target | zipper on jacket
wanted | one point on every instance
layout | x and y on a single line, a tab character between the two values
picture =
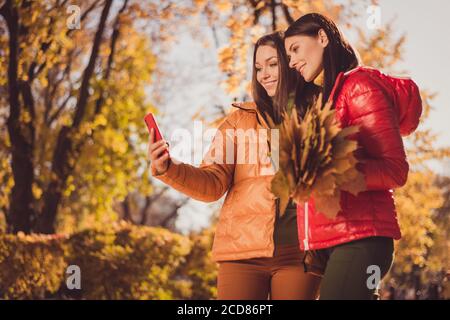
305	240
277	209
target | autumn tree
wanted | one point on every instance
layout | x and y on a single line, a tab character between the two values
73	103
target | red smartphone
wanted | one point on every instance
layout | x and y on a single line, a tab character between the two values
150	120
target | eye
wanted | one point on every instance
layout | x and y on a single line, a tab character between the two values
258	69
273	64
295	49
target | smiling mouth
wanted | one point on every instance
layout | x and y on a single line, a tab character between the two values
270	82
300	70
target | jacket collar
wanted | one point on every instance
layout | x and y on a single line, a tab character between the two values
248	105
251	107
340	80
337	86
319	80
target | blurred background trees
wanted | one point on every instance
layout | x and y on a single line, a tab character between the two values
73	143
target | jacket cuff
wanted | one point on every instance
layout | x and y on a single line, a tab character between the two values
171	173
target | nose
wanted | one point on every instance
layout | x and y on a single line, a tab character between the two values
292	63
265	73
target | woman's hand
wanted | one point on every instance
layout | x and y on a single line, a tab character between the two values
159	160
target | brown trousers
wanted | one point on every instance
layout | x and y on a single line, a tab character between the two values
281	277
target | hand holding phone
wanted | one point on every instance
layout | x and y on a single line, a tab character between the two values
158	152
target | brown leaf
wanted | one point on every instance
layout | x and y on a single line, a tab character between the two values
325	186
328	205
356	185
280	188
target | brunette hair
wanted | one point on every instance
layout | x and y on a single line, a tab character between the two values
338	55
287	79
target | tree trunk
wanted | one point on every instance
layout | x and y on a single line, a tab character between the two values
63	158
273	8
21	212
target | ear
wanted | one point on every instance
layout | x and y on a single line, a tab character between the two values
323	38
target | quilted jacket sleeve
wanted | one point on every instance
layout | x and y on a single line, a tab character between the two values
367	104
213	178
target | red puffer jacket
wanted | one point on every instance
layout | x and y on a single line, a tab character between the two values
385	108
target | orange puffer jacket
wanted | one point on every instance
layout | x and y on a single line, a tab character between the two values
246	221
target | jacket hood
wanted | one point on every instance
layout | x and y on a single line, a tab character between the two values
405	94
408	103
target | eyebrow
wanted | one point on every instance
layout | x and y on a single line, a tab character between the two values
290	47
267	59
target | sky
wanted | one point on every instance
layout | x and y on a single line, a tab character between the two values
426	59
427	52
426	56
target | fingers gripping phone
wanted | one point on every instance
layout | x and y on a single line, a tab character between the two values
151	123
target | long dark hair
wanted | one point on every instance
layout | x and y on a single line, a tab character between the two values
338	55
287	80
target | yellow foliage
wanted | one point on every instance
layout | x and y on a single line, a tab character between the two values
117	262
416	203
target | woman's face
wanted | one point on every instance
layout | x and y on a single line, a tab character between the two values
305	54
266	67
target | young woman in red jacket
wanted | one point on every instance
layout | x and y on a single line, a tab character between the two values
359	241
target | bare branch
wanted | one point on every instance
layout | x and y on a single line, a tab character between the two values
165	222
149	200
274	15
287	14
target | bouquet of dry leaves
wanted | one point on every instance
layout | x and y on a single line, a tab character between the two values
316	158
